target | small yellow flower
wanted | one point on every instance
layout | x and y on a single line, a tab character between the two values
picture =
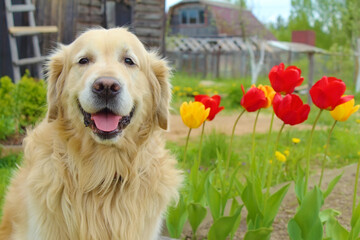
176	89
358	120
286	152
188	89
195	93
280	157
270	161
343	111
193	114
359	153
296	140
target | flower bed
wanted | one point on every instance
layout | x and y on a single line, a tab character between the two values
213	188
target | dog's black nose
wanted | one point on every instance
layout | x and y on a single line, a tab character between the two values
106	87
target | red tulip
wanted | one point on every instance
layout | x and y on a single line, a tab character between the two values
254	99
285	80
327	93
290	109
210	102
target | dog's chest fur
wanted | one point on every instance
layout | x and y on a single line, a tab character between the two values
91	207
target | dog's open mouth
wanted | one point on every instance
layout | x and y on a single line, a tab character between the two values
105	123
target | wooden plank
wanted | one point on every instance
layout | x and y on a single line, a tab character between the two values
26	61
91	3
141	7
148	24
26	31
151	16
21	8
91	19
150	2
148	32
90	10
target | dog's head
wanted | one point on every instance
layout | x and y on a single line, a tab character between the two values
105	81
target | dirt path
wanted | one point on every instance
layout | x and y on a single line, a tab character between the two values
340	199
224	124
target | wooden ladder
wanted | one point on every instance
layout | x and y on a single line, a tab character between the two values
18	31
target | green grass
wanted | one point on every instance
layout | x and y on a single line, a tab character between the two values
185	87
7	166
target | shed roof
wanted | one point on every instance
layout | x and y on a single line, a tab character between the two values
296	47
231	20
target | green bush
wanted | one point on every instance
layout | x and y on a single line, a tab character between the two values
30	100
7	104
21	104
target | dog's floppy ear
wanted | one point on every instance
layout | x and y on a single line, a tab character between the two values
161	89
55	68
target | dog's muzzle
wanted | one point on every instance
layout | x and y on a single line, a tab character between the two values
106	123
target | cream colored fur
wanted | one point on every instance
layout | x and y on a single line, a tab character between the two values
69	185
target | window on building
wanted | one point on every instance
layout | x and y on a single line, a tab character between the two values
192	16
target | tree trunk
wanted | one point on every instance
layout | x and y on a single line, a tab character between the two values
256	66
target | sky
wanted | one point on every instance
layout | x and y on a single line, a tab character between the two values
265	10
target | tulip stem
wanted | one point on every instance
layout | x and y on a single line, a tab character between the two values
308	151
266	161
325	153
186	146
269	180
355	186
200	145
253	162
231	140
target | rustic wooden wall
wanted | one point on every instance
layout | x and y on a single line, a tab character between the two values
70	16
148	22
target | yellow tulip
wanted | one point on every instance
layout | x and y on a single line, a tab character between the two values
269	93
279	156
296	140
343	111
193	114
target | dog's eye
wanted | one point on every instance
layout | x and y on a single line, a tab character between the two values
83	61
129	61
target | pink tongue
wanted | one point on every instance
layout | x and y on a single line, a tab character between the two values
106	121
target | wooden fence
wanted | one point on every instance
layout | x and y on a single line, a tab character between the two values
215	57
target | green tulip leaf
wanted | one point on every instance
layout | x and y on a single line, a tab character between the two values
213	197
234	207
306	223
223	226
326	214
197	213
176	218
273	204
334	230
299	184
251	200
331	186
258	234
355	223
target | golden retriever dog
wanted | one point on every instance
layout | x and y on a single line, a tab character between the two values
96	166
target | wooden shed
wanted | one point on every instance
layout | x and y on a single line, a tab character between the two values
145	18
204	18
